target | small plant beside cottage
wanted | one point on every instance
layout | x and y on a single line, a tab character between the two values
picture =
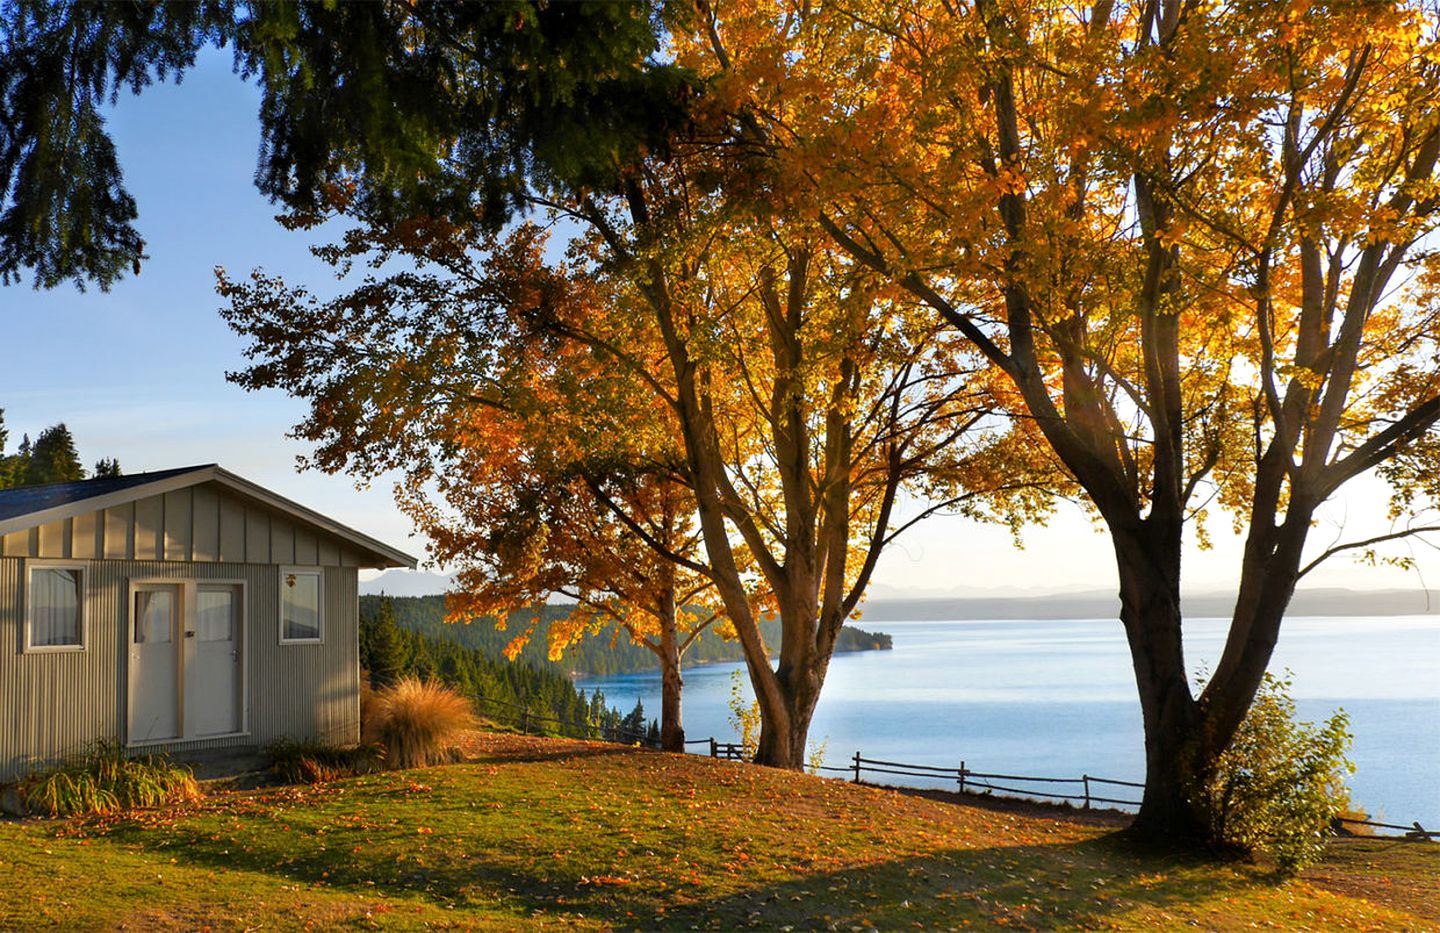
416	722
104	780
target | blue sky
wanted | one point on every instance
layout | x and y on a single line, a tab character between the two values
139	373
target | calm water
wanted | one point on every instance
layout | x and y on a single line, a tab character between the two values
1057	698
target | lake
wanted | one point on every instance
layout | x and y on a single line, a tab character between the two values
1057	698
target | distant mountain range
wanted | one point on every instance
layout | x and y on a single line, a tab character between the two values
891	604
1098	604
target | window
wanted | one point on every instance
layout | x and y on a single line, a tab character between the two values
215	613
55	618
300	616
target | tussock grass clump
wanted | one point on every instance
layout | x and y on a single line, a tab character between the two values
416	722
103	780
317	763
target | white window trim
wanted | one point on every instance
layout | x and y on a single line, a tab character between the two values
318	572
83	569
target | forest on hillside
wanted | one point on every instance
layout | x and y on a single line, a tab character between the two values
599	656
510	692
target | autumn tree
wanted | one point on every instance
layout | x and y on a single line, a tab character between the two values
1193	237
808	396
790	399
534	468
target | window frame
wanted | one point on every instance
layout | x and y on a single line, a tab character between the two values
82	572
301	570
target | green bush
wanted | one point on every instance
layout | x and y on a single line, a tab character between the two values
315	763
1281	783
104	780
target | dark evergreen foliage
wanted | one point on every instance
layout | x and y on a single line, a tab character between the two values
505	688
64	210
107	468
380	652
394	110
53	459
599	656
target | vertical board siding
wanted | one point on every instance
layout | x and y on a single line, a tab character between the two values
149	533
282	541
178	531
306	552
120	532
205	525
15	544
202	524
232	530
88	536
54	704
52	539
257	537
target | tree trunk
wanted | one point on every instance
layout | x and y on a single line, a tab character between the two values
672	733
785	727
1150	612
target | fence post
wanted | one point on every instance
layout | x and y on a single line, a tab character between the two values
525	721
714	750
857	767
962	777
1086	779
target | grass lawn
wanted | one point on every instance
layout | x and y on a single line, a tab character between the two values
548	833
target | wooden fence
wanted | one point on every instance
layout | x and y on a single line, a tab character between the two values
1081	790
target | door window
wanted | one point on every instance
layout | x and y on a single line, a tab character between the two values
154	617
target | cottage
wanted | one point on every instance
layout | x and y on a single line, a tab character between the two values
187	609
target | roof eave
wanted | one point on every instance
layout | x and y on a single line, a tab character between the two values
381	555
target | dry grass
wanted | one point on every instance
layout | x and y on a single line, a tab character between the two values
417	722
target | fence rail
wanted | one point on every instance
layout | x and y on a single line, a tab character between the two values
971	781
966	781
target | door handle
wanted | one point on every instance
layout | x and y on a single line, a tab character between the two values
189	634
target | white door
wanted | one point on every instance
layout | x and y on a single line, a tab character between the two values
156	652
213	671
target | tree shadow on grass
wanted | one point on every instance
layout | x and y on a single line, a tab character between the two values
1080	884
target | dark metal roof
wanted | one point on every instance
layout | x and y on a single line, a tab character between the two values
27	499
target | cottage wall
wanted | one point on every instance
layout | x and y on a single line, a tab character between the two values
54	703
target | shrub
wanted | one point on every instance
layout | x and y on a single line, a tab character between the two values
316	763
1280	785
103	780
416	722
744	719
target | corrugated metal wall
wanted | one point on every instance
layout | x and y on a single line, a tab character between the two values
53	703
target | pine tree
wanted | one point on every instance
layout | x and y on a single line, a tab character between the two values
6	470
107	468
380	649
54	458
